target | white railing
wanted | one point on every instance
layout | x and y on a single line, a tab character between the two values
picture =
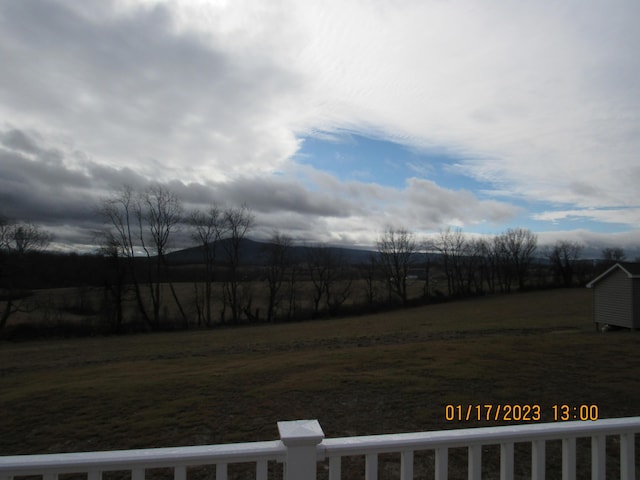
93	464
302	445
506	436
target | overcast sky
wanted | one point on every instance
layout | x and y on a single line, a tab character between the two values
331	120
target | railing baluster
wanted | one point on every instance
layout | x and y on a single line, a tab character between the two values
538	459
506	461
598	457
261	470
137	474
569	458
475	462
335	468
442	463
371	466
221	471
406	465
179	473
627	456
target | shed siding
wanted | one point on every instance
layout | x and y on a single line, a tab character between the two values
636	302
614	300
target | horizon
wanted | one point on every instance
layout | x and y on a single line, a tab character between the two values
331	122
593	253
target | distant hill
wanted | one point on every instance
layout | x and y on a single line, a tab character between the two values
253	252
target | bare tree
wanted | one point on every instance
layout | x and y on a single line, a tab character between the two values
427	285
451	245
116	287
338	288
611	255
329	278
319	263
397	249
502	271
26	237
118	211
237	221
519	245
17	241
370	273
292	288
472	266
144	223
563	257
159	213
486	268
4	233
206	229
278	258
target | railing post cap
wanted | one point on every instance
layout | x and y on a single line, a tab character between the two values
300	432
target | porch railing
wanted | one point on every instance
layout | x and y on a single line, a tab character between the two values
302	445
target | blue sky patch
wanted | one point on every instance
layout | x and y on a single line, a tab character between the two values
352	157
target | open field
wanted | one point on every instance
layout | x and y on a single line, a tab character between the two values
384	373
50	310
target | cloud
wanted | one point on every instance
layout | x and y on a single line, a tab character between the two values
309	203
539	102
622	216
46	183
537	95
129	89
593	242
433	206
360	211
19	141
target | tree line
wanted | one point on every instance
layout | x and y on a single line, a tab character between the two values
470	265
141	228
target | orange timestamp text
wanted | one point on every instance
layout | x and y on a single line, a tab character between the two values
518	412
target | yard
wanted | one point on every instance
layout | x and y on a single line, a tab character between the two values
385	373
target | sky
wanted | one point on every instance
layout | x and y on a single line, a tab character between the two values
332	121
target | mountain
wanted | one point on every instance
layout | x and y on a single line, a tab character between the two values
253	252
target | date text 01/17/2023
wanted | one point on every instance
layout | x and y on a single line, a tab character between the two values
518	412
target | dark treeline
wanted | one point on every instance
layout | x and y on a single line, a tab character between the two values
138	280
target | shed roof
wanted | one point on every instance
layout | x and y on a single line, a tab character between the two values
631	269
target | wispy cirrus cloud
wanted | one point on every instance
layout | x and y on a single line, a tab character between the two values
623	216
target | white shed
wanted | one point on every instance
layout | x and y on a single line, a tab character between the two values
616	296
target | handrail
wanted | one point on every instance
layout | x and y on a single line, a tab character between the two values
389	443
143	458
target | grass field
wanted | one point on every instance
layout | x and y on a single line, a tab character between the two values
386	373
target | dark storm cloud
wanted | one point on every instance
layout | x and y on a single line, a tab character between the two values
274	194
36	184
36	191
